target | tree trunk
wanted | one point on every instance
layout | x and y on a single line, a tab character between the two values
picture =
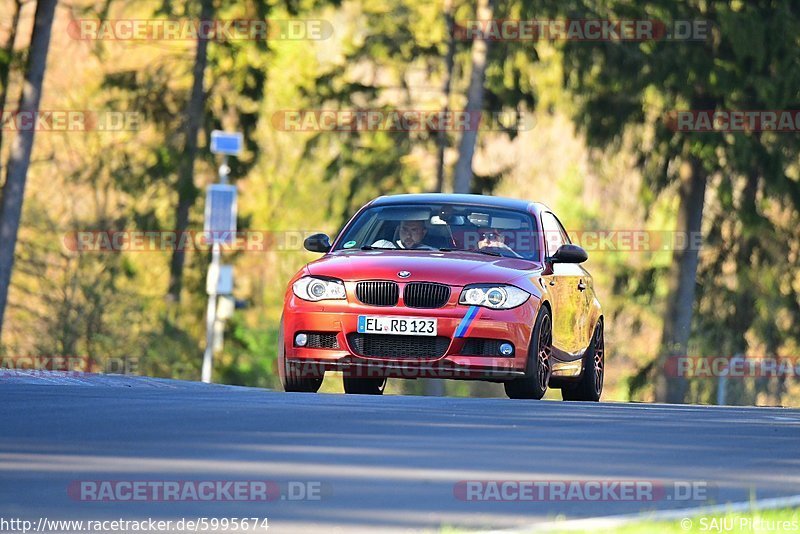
20	156
8	53
441	135
187	191
5	64
466	150
745	299
682	281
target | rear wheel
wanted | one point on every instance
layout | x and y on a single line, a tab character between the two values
296	377
537	372
364	386
590	385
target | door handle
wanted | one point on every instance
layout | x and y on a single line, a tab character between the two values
581	286
552	282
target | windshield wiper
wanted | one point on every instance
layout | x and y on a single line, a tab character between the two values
487	252
477	251
370	247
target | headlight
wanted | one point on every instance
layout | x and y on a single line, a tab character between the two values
497	297
314	289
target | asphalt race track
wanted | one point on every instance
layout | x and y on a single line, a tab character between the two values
390	462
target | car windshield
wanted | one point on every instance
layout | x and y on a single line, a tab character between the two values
448	227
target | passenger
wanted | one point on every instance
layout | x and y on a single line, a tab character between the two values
494	238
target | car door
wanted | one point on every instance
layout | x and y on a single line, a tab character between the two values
582	289
567	298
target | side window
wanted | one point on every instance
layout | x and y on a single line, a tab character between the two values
554	235
564	234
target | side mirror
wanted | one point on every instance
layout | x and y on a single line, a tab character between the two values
569	254
317	243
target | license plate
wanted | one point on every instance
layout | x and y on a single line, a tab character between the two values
407	326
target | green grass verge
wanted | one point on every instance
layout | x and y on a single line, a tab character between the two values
763	521
782	520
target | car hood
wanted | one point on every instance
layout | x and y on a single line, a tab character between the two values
452	268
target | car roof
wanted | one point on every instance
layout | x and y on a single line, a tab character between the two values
452	198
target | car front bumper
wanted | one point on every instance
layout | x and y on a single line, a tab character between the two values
457	330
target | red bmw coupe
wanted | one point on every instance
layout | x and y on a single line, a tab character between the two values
445	286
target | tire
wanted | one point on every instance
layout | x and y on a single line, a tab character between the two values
363	386
590	386
295	382
294	379
537	371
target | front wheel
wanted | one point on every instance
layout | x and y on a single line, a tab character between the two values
537	371
294	378
363	386
590	386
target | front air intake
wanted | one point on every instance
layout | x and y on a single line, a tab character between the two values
398	347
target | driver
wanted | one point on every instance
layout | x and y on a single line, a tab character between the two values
410	233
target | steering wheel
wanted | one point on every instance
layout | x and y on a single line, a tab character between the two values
506	252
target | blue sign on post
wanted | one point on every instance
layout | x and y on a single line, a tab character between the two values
228	143
220	228
220	215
